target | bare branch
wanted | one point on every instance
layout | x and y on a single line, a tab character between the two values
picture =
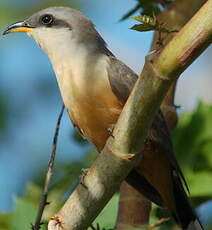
176	16
44	196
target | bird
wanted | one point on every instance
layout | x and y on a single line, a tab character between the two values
94	86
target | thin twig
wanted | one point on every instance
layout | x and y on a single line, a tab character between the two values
44	196
158	223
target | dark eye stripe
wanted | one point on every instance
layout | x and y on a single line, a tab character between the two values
48	20
61	23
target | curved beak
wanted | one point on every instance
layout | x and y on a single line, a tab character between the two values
18	27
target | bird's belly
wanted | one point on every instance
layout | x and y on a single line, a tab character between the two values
88	96
94	116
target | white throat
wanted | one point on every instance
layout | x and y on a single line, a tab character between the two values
78	66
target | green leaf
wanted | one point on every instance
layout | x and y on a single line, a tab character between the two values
142	27
200	184
145	19
107	217
23	215
150	23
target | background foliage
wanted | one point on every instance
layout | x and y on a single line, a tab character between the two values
193	144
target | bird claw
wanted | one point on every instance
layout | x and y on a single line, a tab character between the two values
110	129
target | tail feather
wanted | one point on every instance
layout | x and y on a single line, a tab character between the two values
185	215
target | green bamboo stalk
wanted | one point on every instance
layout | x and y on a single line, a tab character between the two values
136	211
157	76
187	44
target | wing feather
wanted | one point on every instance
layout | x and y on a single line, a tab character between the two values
122	80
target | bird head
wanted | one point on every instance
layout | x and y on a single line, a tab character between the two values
58	28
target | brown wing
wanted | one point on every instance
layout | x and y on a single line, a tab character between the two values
122	80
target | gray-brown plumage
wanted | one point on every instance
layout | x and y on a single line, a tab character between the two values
95	86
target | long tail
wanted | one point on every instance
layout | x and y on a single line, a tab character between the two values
185	216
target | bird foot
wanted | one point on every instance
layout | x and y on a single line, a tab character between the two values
110	129
82	177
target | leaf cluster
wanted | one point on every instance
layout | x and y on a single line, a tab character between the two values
147	7
148	23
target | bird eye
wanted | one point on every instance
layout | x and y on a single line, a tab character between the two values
47	19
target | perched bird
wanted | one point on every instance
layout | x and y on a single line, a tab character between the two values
94	86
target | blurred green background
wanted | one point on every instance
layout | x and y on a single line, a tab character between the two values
30	102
